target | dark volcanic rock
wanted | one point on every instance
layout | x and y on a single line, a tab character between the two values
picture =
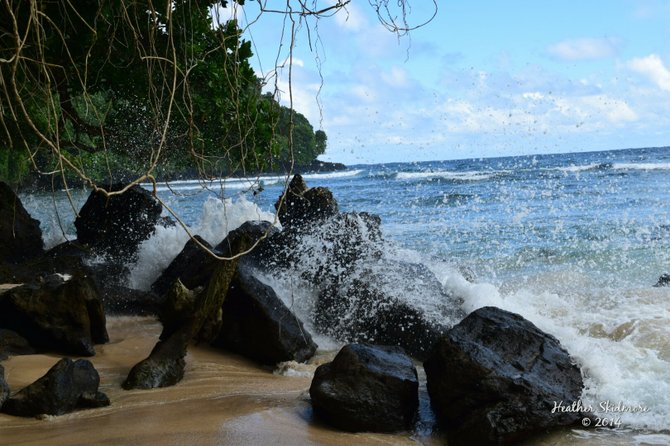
367	388
11	343
495	377
66	258
194	266
364	294
67	386
178	309
373	305
120	300
664	280
4	388
20	234
64	316
368	315
165	365
302	205
258	325
115	226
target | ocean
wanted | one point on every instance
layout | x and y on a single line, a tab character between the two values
572	242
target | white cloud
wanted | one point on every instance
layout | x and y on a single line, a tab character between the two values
584	49
397	77
535	112
653	68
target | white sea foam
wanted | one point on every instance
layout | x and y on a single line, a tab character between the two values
249	183
641	166
218	218
448	175
577	169
330	175
619	338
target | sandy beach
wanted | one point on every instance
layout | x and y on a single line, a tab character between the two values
223	400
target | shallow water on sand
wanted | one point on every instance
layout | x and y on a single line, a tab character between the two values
223	400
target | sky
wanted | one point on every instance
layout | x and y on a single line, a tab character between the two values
481	79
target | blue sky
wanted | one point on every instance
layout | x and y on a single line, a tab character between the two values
483	78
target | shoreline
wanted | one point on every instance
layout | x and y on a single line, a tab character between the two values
223	399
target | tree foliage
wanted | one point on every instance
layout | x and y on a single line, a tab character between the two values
97	89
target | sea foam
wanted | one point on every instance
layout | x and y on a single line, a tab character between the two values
218	218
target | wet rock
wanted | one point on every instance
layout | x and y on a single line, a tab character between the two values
20	234
4	388
120	300
364	295
11	344
258	325
165	365
178	309
302	205
664	280
325	251
67	386
193	266
373	305
495	378
57	315
367	388
115	226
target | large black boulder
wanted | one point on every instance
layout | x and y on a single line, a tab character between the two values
194	266
375	305
12	343
114	226
20	234
367	388
67	386
258	325
364	293
165	364
301	205
495	378
56	314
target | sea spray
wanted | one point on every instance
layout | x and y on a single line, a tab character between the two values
572	242
628	367
218	218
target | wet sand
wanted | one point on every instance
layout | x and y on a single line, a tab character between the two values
224	399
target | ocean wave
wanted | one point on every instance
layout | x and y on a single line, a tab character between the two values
641	166
242	183
584	168
340	174
228	183
449	175
612	166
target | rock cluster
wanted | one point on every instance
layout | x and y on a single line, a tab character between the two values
67	386
59	315
493	377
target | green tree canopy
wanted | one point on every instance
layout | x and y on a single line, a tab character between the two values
97	87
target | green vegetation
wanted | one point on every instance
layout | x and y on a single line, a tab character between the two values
100	89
